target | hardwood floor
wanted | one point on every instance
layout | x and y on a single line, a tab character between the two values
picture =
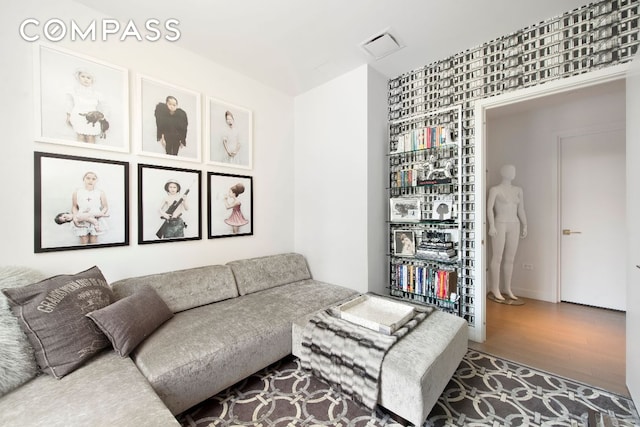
579	342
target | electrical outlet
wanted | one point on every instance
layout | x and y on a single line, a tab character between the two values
527	266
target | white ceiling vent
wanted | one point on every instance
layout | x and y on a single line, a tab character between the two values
381	45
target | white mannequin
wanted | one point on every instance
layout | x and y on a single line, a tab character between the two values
505	227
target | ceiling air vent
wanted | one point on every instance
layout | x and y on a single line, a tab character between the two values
381	45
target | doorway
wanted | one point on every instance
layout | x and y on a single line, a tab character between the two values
542	179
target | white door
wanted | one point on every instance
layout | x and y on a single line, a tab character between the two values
633	228
592	203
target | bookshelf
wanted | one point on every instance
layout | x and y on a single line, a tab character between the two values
425	221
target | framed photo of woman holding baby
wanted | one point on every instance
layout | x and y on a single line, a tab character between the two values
80	101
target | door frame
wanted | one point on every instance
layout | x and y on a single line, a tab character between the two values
478	332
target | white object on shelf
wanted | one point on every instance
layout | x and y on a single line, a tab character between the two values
378	314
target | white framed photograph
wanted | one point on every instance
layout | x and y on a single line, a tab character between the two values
404	243
229	135
169	120
405	209
442	209
80	101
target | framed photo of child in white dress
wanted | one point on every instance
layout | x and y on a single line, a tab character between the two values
169	204
404	243
169	120
80	101
230	205
80	202
229	135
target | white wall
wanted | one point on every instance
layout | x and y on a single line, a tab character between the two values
334	177
633	238
273	171
526	136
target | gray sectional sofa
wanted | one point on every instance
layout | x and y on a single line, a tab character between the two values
229	321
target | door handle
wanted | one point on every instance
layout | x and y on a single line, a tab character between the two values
567	232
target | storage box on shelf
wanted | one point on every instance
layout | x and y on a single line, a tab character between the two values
425	224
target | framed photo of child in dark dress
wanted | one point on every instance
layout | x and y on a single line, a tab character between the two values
80	101
230	205
169	120
169	204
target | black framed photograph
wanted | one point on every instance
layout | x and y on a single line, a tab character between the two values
169	204
405	209
404	243
229	135
80	202
80	101
169	120
230	205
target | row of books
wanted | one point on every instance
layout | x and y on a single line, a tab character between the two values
414	177
426	281
423	138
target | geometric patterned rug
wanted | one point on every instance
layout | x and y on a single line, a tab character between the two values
484	391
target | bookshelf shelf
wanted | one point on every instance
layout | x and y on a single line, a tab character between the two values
425	218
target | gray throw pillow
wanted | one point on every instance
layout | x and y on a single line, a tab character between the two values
17	361
129	321
52	313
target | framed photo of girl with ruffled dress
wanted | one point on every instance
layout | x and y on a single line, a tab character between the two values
230	205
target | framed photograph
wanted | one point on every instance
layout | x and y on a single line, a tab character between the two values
80	101
169	204
80	202
230	205
404	243
229	135
169	120
405	209
442	209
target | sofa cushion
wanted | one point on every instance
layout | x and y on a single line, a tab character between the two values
257	274
17	361
202	351
184	289
52	313
108	391
127	322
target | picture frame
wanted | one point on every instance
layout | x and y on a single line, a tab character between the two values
171	134
404	243
80	101
442	209
169	204
226	146
230	205
93	195
405	209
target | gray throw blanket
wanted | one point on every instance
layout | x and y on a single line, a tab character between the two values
348	356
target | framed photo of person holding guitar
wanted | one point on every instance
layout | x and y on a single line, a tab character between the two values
169	204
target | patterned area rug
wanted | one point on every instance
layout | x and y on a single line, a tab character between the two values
484	391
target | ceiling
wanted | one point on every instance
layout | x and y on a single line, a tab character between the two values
295	45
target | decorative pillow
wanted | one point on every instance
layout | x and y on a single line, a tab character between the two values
127	322
17	362
52	313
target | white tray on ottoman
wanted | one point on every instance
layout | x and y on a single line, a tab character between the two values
379	314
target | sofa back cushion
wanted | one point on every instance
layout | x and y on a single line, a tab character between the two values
256	274
184	289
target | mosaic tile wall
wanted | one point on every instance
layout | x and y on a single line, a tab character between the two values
597	35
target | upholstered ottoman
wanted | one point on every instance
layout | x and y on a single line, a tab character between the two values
418	367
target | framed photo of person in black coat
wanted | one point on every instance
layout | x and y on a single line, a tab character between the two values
169	120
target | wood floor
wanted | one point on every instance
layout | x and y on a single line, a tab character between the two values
579	342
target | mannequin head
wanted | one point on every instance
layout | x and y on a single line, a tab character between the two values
508	172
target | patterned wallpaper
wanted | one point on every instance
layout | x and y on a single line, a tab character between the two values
597	35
